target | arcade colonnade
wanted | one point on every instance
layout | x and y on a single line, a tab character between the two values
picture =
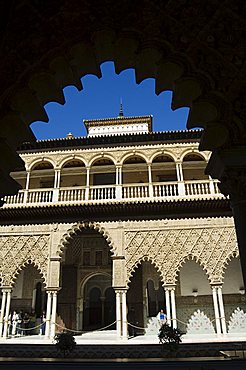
167	244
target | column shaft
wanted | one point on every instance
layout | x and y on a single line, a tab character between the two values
53	314
124	315
6	315
3	304
168	307
173	305
48	312
222	311
151	192
87	183
118	314
216	310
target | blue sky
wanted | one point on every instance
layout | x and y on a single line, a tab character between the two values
100	98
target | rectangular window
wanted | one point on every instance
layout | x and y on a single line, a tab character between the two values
86	258
98	258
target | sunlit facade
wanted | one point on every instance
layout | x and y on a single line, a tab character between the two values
121	220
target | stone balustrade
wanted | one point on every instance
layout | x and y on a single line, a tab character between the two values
196	189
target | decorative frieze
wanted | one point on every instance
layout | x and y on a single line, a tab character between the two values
168	248
16	251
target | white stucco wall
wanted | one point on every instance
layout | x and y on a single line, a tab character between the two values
118	129
192	277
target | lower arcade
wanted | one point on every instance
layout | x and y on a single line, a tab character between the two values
115	277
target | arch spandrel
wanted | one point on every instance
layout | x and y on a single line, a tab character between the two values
18	251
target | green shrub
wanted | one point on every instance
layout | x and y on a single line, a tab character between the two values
65	342
170	337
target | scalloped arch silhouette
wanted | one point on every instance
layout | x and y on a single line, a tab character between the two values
85	225
138	263
229	257
25	265
187	258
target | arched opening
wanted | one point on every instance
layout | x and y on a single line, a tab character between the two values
42	176
193	292
163	169
99	302
102	179
73	174
135	177
29	296
72	181
233	288
193	167
164	176
145	296
102	172
86	273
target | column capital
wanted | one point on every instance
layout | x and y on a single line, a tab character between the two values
52	289
216	285
169	287
7	289
121	290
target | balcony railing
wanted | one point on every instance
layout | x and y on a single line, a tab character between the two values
166	190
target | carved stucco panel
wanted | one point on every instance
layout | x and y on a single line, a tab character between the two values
169	249
16	251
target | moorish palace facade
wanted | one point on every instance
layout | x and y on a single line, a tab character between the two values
122	219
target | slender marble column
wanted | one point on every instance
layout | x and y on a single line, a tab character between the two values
180	178
27	186
124	314
168	307
177	171
53	314
222	310
118	314
173	305
6	315
3	304
87	183
151	192
56	185
118	194
48	312
216	310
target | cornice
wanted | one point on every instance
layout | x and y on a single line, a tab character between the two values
116	211
112	141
